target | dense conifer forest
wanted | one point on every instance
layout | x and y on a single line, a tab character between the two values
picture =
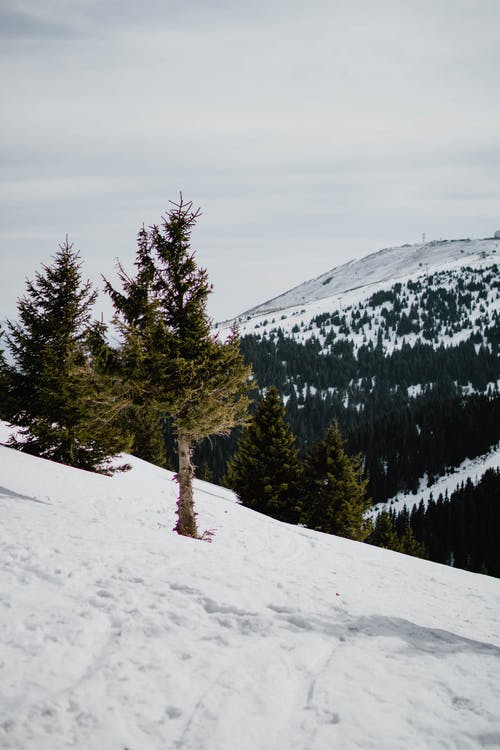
461	530
402	434
411	375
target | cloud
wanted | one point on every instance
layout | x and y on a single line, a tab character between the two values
308	134
21	23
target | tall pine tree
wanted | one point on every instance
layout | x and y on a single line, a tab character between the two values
336	500
265	471
56	396
176	368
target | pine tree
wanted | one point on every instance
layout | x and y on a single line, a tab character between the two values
410	545
336	500
138	419
265	472
57	398
383	534
394	531
175	367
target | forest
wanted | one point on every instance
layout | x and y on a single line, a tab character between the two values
417	409
461	529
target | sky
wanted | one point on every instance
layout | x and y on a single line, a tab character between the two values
309	134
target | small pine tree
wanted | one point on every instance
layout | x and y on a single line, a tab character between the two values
56	396
411	546
265	472
336	500
173	364
383	534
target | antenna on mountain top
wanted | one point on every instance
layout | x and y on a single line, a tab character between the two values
423	238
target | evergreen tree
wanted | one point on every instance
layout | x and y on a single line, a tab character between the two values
410	545
383	534
265	471
393	531
137	417
336	500
146	426
175	367
57	397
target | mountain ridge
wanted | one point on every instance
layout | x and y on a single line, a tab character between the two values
404	354
377	268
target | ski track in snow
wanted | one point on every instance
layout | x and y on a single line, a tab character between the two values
117	633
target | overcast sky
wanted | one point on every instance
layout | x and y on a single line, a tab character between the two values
309	133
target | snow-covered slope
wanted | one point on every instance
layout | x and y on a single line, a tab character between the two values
389	264
117	633
471	468
442	292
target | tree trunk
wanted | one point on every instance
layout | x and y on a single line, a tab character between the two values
186	517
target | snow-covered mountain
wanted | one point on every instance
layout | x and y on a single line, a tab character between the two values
384	320
329	306
117	633
375	270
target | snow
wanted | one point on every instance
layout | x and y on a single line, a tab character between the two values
388	265
117	633
470	468
344	288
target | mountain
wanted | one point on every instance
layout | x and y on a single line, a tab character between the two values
402	348
117	633
441	292
374	271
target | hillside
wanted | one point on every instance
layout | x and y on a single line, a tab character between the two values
442	293
117	633
402	348
387	265
469	469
